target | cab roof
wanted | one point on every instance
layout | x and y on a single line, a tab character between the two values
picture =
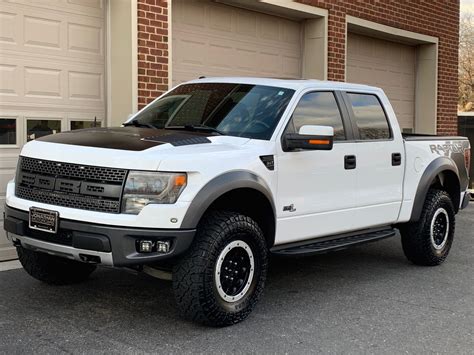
295	84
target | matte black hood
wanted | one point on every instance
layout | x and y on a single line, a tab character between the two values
126	138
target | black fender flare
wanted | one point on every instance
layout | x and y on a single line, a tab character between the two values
218	186
433	169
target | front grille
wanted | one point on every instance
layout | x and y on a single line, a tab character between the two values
82	172
84	187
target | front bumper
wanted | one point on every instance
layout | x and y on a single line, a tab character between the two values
97	243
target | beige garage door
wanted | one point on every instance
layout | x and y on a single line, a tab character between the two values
52	68
219	40
388	65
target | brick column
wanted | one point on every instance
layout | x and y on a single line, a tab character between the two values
152	50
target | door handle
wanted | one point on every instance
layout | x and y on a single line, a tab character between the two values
350	162
396	159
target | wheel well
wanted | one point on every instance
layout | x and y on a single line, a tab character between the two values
252	203
448	181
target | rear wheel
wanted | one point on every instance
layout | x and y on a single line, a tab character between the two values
221	278
428	241
52	269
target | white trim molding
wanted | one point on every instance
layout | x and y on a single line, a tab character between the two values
122	60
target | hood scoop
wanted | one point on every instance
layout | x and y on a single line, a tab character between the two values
178	139
126	138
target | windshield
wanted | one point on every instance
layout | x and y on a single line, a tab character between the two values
242	110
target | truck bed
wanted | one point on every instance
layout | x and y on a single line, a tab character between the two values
429	137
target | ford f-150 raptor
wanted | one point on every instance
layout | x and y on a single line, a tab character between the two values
213	177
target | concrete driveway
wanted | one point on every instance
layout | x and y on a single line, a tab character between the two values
364	300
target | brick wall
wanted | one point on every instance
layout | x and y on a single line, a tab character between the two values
152	49
438	18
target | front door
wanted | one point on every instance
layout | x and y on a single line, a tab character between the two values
316	193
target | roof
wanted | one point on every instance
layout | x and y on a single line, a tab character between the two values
295	84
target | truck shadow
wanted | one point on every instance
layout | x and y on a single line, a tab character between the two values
123	296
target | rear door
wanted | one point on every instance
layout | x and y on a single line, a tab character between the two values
379	161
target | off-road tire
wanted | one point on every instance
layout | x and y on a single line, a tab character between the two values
52	269
417	241
195	282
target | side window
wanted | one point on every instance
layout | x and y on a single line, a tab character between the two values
369	116
318	108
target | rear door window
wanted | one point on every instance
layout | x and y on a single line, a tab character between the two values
369	116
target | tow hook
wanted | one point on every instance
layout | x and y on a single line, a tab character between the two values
16	242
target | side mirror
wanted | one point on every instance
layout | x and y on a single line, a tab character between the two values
309	137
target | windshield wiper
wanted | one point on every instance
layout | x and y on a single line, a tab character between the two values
135	123
190	127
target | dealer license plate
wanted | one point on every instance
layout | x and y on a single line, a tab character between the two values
44	220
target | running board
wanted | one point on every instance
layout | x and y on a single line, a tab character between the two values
323	245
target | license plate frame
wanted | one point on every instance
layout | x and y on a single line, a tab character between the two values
43	220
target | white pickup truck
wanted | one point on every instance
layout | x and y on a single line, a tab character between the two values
216	175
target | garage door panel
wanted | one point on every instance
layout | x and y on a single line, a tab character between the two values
90	8
42	32
9	79
8	31
291	66
30	30
52	70
220	55
246	23
229	41
85	39
388	65
219	19
55	82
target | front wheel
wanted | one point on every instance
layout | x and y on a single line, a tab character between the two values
428	241
53	269
221	278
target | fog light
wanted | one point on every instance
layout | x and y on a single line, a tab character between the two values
162	247
145	246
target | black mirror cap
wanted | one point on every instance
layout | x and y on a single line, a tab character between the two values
294	141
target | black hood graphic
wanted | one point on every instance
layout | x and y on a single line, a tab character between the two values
126	138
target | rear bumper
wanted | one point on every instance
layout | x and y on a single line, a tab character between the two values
88	242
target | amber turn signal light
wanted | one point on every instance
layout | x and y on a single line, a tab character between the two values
318	141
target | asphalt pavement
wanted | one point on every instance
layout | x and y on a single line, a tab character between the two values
368	299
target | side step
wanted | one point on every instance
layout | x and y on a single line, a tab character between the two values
323	245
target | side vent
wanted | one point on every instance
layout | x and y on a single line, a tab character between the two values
268	161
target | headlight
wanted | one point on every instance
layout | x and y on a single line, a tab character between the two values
145	187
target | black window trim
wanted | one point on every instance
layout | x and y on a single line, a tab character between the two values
355	128
346	122
18	142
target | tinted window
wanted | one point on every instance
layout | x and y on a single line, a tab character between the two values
369	116
318	108
40	128
7	131
242	110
